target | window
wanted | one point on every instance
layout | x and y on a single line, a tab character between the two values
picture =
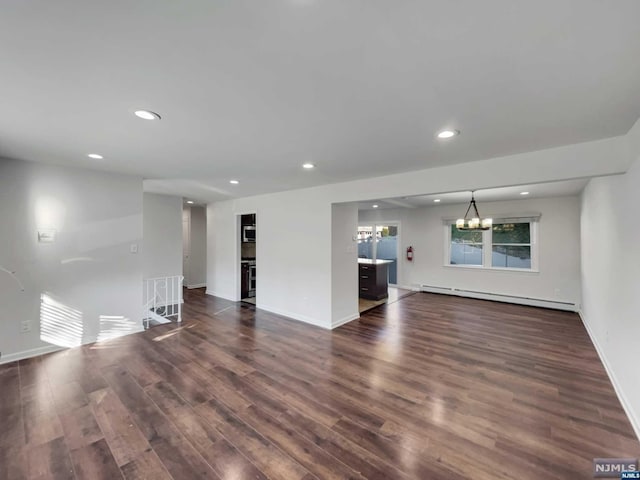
509	244
465	247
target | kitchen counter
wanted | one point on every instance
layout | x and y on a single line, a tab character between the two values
369	261
373	281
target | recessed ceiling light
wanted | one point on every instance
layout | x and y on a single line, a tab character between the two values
95	156
448	133
524	193
437	200
374	206
234	182
190	202
147	115
308	165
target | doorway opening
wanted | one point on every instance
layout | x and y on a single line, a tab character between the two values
380	242
194	246
248	264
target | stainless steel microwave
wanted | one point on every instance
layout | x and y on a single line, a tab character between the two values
249	233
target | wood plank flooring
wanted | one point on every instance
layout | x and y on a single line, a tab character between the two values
395	294
429	387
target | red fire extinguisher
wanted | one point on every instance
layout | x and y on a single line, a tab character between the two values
410	253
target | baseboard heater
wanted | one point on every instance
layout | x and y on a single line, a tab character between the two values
498	297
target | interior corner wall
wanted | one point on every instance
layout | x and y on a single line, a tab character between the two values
162	235
344	259
222	251
611	280
197	275
293	253
558	278
84	286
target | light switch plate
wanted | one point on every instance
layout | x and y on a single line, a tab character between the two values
134	248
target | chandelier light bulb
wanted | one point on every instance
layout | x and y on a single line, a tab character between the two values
476	222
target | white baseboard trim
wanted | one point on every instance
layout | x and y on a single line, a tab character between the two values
532	302
34	352
220	295
196	285
277	311
294	316
347	319
413	288
626	405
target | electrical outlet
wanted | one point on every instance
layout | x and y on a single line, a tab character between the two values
25	326
133	248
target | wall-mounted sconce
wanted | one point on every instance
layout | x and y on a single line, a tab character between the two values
47	235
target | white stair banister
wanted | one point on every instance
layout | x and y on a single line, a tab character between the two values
162	300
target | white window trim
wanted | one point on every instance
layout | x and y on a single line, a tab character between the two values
487	250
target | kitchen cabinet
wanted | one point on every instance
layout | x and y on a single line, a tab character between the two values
247	278
373	278
244	280
248	219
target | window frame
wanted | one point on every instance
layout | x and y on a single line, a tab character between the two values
482	244
487	248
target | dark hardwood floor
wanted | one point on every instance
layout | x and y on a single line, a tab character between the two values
429	387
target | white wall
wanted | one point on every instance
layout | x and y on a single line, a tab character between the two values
295	276
293	253
92	283
222	251
196	276
602	157
558	278
611	279
162	234
186	242
344	264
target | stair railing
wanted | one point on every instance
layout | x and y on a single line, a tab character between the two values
162	299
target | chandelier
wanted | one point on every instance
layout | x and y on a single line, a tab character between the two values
473	222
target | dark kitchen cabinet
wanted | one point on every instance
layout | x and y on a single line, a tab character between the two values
245	280
373	281
248	219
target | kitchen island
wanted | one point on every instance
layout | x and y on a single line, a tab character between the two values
373	278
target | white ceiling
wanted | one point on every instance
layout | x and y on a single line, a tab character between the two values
541	190
252	89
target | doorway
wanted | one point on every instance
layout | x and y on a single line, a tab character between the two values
194	246
381	242
248	264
